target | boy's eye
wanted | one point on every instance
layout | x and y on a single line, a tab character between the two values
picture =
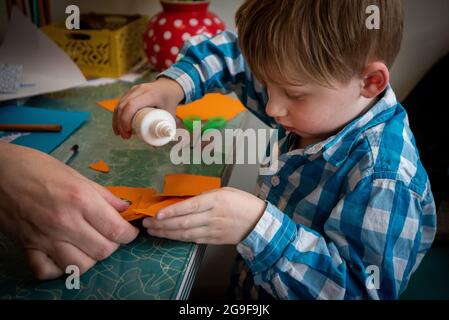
295	96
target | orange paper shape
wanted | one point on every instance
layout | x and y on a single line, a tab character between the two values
132	216
153	209
211	105
177	185
109	104
137	197
100	166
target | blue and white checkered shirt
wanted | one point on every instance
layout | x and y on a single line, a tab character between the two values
350	217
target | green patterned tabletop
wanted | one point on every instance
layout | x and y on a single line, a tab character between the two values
147	268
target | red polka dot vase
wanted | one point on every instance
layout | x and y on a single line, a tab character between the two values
179	21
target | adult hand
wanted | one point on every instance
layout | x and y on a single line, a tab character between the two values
58	216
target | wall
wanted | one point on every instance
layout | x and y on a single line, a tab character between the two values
225	8
426	40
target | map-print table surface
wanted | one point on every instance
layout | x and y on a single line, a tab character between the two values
147	268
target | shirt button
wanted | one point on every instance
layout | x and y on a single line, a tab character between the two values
275	181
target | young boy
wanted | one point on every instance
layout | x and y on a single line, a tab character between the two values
349	214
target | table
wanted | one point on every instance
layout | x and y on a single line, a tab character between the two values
147	268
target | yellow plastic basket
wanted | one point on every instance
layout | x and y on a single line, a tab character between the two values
105	52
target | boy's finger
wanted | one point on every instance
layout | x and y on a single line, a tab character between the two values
179	223
134	92
114	121
201	203
126	115
190	235
131	94
130	106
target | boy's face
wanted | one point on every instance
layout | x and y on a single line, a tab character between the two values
315	112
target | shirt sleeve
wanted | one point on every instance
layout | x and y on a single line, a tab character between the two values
207	65
371	243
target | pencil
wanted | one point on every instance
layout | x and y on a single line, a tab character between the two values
31	127
73	151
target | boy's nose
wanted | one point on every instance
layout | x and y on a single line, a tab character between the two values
275	109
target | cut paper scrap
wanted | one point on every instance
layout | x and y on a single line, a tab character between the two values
100	166
212	105
153	209
109	104
177	185
136	197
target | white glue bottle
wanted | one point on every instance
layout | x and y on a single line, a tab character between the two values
154	126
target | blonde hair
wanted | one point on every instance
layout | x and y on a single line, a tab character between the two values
287	41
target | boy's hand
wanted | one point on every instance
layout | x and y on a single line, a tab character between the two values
163	93
222	216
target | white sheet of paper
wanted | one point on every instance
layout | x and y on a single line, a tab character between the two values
137	72
45	65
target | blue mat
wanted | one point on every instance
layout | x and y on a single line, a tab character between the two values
43	141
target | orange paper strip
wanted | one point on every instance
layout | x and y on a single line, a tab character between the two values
176	185
152	210
212	105
138	198
132	216
109	104
100	166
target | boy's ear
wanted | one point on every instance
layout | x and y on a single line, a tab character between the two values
375	77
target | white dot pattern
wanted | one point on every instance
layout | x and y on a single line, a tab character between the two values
167	35
177	23
163	38
193	22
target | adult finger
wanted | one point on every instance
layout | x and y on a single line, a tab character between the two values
103	218
42	265
65	254
92	242
117	203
